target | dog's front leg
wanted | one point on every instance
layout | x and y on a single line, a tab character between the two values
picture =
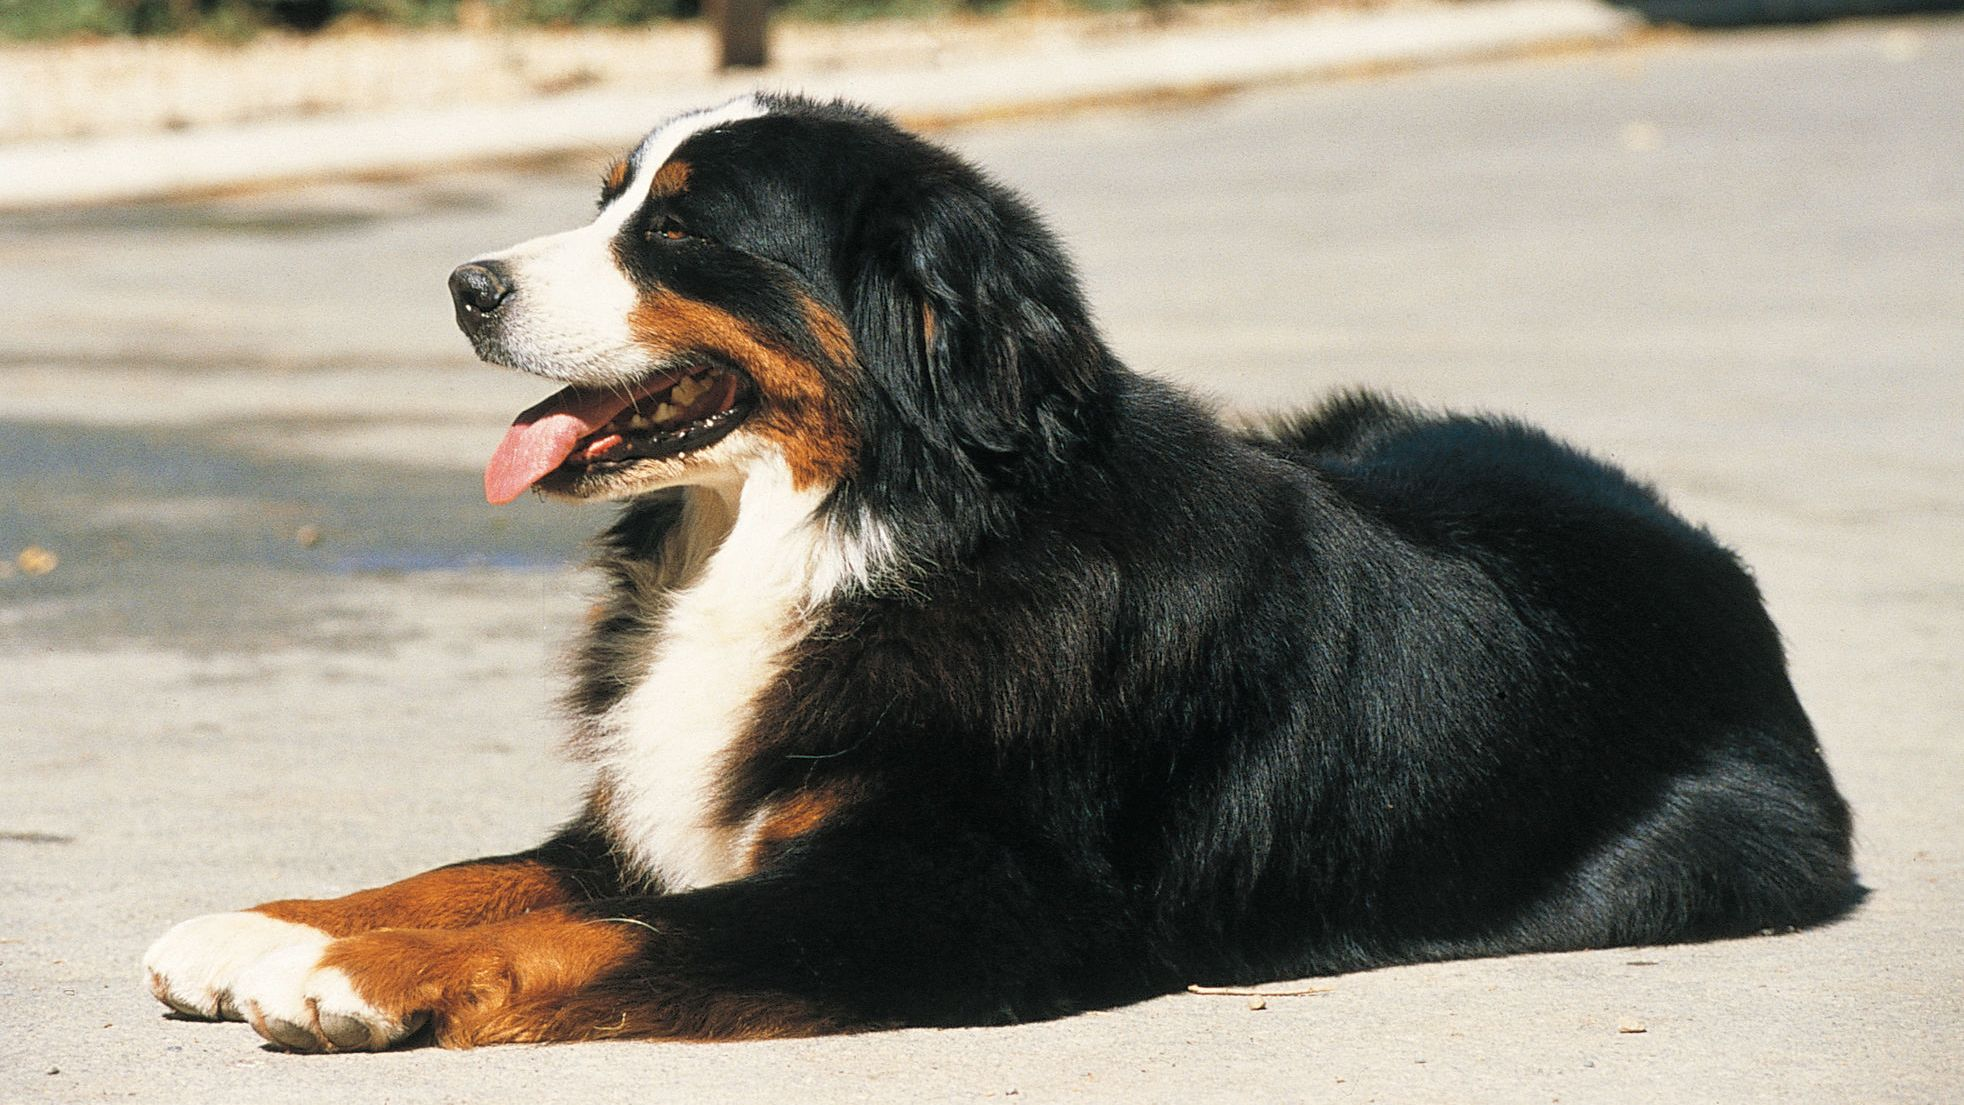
854	934
195	967
371	990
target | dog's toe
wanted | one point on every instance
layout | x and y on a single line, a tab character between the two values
348	1033
303	1006
287	1034
194	967
160	986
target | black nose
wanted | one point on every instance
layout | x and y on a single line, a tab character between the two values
477	288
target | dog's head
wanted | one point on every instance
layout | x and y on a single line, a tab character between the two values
777	280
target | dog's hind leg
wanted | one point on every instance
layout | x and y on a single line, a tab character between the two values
1737	847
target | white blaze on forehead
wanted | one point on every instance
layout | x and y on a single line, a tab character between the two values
567	317
661	144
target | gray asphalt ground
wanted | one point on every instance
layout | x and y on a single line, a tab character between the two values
1731	263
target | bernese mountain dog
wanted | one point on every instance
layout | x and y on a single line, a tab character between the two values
954	674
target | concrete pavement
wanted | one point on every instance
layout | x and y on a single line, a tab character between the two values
287	650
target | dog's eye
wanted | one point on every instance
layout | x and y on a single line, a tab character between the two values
668	228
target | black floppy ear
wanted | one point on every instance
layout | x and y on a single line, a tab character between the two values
971	328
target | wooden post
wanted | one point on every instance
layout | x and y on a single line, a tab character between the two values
742	32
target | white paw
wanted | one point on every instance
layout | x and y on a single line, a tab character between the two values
293	1001
194	967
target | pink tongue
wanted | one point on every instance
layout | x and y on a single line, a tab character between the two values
541	439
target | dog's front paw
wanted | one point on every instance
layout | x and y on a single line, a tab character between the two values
194	968
293	999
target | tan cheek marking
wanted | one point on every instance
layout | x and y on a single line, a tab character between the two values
798	413
830	331
449	897
671	179
468	979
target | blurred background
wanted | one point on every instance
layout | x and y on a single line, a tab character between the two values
260	635
76	68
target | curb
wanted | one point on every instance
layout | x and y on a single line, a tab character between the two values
1175	62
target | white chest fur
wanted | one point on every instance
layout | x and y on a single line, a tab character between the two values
738	608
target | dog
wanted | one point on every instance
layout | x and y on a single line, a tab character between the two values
953	674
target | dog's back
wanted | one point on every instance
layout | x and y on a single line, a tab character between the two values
1661	780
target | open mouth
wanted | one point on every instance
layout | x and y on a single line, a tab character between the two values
581	431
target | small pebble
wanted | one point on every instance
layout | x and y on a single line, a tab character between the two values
1631	1027
1257	1003
36	561
307	536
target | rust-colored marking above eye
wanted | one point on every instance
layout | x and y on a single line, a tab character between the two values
616	178
671	179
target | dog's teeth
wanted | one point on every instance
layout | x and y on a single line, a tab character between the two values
686	391
664	412
639	422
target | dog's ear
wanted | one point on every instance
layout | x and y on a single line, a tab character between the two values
970	325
